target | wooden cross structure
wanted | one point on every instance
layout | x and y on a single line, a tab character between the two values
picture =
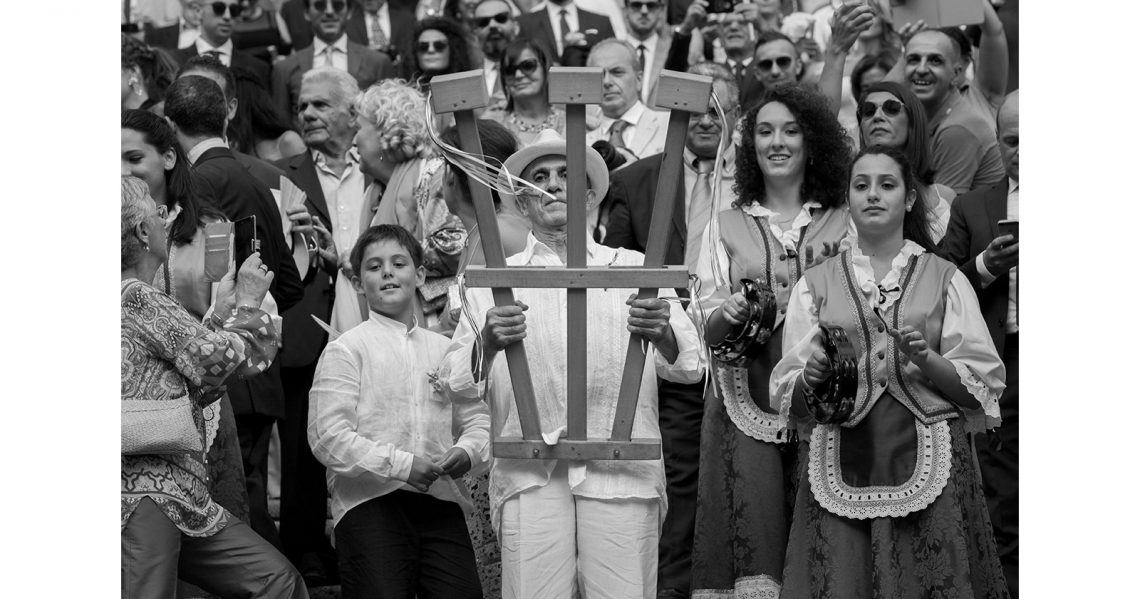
680	93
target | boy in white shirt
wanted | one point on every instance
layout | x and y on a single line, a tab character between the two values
392	443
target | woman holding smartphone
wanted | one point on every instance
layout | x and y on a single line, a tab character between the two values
889	501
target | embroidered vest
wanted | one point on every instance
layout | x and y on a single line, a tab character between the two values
755	253
890	458
840	301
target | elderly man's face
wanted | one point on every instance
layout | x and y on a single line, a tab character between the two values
328	18
705	130
549	174
325	118
931	66
621	82
776	63
495	27
1007	135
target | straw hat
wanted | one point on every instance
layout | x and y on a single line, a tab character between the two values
550	143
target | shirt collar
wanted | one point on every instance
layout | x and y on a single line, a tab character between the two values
393	325
650	42
340	44
755	209
1013	186
351	158
534	248
631	116
206	144
204	46
554	9
727	161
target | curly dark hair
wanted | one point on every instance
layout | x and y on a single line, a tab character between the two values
827	147
155	65
916	221
458	58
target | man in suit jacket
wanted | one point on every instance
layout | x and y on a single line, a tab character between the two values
645	20
988	258
330	45
565	32
197	110
329	174
396	28
214	32
629	125
179	34
633	192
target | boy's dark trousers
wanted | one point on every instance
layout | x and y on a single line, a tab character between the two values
406	545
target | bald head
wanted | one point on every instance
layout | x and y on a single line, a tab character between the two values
1007	122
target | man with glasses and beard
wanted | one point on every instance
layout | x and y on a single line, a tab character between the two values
643	20
331	47
495	28
216	25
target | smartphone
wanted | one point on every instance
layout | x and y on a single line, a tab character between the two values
219	249
1008	227
245	239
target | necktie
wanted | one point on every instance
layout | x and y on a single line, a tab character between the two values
497	90
329	55
700	207
641	57
616	130
379	40
564	26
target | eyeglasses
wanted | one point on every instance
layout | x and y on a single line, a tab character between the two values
321	5
219	9
890	108
432	46
640	6
528	67
501	18
783	62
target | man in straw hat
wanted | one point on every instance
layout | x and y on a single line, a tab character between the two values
569	527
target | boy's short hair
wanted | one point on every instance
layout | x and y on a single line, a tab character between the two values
384	233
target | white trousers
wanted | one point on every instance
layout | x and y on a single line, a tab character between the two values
559	546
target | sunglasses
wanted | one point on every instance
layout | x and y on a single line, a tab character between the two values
640	6
528	67
890	108
219	9
500	18
432	46
783	62
321	5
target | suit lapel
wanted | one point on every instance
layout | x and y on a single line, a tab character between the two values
304	171
548	31
306	59
354	60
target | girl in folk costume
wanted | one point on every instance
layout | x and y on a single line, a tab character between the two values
889	500
790	179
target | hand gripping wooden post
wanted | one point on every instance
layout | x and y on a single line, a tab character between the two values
576	87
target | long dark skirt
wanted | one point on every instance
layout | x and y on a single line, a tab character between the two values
944	550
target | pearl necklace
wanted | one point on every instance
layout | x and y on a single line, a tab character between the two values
548	123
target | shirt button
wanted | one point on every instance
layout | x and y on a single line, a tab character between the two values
784	285
882	356
882	383
783	257
881	329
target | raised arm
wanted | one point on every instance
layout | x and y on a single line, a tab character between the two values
991	71
848	22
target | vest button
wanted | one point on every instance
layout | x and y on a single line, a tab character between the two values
882	383
882	356
881	329
783	257
784	285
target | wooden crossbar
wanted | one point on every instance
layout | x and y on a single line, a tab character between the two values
555	277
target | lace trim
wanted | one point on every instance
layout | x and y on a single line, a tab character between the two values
931	472
990	414
865	275
743	411
212	416
746	587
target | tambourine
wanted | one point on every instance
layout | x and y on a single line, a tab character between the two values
835	400
745	341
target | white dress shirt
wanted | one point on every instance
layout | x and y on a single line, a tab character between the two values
200	148
225	51
607	8
1013	208
375	403
555	13
631	116
340	53
344	196
385	24
490	74
546	352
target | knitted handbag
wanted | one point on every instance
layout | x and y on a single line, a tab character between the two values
159	426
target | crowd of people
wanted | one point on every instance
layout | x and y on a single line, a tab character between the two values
854	187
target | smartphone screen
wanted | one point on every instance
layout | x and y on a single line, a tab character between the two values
1008	227
245	239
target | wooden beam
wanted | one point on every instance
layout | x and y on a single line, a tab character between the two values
635	449
515	353
458	91
597	277
681	95
575	87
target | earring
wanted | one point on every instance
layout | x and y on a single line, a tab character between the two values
133	83
146	247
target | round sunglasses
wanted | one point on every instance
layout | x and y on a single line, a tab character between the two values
501	18
528	67
890	108
337	5
432	46
219	9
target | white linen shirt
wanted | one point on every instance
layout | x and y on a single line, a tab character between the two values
373	405
339	57
545	344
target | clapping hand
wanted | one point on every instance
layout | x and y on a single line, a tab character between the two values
912	345
828	250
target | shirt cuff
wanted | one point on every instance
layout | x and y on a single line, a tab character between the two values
985	277
401	465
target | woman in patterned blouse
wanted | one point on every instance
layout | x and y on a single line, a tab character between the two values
171	527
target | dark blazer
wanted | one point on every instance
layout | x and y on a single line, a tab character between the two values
536	26
402	43
259	68
302	340
973	225
301	31
633	191
367	66
226	184
161	37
